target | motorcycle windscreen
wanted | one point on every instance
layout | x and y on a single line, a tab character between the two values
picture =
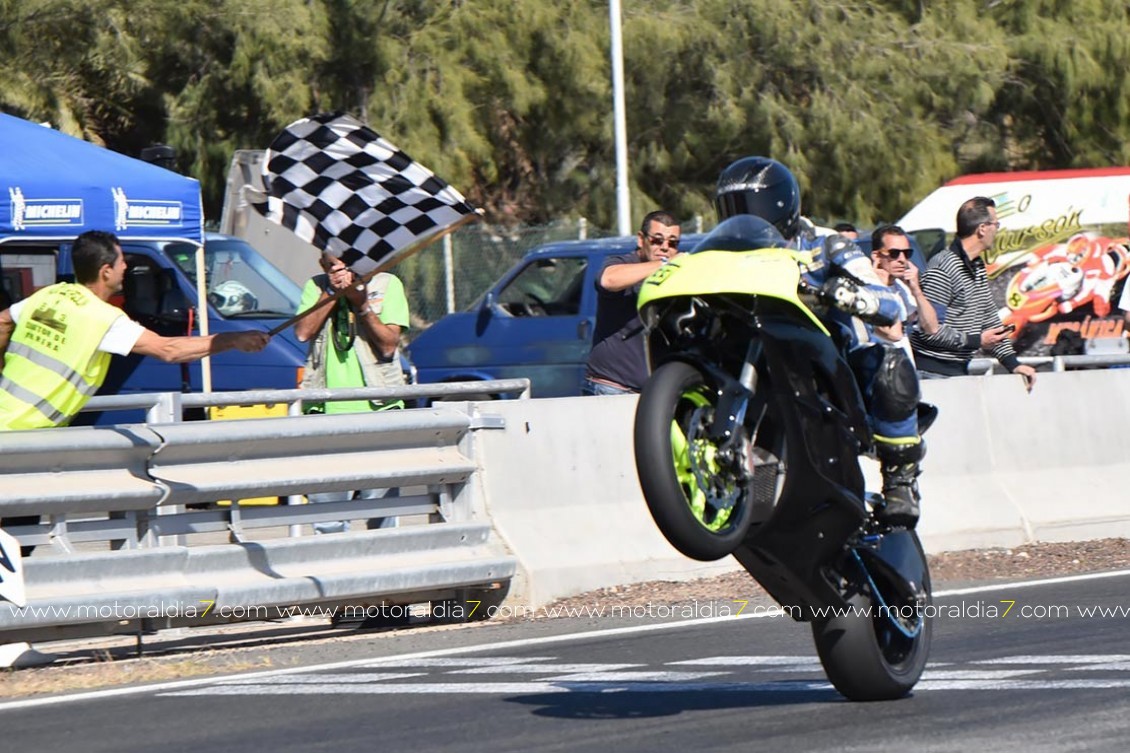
772	272
743	232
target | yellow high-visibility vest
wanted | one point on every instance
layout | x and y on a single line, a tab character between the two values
53	365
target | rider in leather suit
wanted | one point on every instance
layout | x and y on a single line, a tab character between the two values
764	187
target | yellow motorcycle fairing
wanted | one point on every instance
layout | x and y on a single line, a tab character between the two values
773	272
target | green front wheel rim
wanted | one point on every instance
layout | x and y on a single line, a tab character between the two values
684	453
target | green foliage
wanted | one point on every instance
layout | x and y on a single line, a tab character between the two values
1066	99
240	74
872	104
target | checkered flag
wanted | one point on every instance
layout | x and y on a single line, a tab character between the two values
341	187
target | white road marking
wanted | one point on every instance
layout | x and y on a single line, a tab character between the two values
1114	666
1011	685
617	677
344	679
609	678
521	688
1031	583
977	674
510	688
522	643
457	661
541	669
773	661
1056	659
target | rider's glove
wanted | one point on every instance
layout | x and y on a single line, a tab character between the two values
866	303
849	297
845	295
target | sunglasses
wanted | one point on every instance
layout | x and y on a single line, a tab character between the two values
659	240
894	253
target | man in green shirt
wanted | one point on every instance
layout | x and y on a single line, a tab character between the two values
354	342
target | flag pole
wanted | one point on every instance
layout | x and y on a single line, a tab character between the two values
387	263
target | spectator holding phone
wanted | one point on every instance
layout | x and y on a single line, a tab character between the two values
955	283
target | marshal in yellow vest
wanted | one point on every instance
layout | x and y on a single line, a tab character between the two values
53	365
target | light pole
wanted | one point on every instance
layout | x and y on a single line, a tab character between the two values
623	204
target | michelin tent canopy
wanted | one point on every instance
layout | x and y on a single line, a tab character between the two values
54	186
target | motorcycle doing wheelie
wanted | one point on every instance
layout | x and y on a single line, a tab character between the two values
747	437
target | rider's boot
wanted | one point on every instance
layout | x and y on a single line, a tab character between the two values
899	467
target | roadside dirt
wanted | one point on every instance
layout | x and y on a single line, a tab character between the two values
101	664
1027	562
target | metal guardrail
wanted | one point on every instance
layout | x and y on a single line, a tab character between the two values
144	490
164	407
189	586
298	455
979	366
82	470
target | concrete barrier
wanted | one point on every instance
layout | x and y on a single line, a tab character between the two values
1057	460
1004	467
560	487
966	503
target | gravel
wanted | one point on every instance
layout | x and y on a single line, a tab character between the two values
1028	562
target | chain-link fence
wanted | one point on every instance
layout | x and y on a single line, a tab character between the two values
452	273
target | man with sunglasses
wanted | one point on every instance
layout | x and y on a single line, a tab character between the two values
617	364
955	279
890	254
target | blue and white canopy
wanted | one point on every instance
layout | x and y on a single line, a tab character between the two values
54	187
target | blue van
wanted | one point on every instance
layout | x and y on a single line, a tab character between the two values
535	322
159	291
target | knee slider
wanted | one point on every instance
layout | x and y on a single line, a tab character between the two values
895	392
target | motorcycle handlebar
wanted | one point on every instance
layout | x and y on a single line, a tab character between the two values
853	302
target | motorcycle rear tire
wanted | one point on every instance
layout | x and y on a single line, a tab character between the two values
663	401
866	657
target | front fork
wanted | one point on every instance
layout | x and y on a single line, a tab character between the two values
735	400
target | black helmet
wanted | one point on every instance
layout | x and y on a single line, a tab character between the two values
762	187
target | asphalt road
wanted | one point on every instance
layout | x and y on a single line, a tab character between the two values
1012	667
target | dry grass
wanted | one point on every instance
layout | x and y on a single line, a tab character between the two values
110	673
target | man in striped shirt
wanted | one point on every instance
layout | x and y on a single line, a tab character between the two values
955	283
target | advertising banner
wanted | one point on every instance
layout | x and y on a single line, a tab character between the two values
1061	257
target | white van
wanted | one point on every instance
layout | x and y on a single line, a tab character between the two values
1032	207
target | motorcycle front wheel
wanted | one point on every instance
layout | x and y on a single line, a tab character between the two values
876	649
700	495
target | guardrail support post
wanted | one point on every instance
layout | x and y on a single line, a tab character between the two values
59	538
294	408
166	410
235	523
446	503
